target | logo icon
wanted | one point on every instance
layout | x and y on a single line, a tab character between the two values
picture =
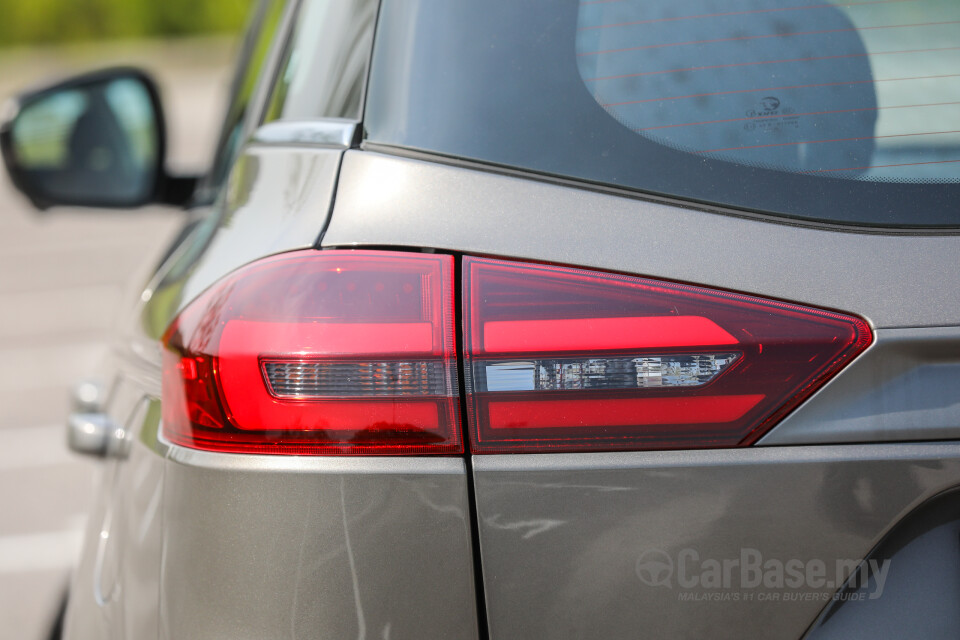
770	103
655	568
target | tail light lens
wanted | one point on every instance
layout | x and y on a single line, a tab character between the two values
332	352
353	352
561	359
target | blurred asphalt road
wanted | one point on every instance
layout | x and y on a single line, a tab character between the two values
64	276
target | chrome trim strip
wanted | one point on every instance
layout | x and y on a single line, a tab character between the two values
345	465
331	132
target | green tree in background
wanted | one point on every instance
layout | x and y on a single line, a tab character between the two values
53	21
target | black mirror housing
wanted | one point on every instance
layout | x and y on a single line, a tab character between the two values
94	140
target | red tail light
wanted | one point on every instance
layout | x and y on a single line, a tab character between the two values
332	352
561	359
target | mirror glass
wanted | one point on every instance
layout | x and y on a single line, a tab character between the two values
94	144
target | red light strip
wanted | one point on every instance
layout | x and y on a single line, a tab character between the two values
327	338
254	412
576	334
543	414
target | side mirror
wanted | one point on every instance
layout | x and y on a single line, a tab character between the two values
95	140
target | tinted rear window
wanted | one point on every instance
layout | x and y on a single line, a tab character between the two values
841	112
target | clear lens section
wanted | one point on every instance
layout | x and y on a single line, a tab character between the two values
306	379
643	372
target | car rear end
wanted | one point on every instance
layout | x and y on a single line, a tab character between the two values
627	319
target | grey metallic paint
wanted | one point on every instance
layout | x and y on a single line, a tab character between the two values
892	280
258	546
193	544
277	199
920	586
277	547
906	386
264	546
561	534
114	589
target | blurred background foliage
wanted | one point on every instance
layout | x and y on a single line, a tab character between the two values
35	22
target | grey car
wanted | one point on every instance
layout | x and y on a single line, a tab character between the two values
527	319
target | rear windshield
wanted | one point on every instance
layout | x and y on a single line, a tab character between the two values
840	112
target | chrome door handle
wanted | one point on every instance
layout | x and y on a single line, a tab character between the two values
96	434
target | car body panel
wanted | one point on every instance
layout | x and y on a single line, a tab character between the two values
280	547
322	546
893	280
906	386
562	535
921	586
114	589
277	199
139	524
